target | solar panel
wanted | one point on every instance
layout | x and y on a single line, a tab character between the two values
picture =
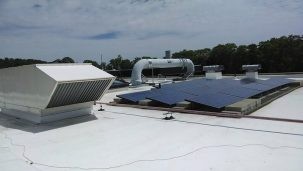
199	86
221	84
271	83
256	86
214	93
202	87
184	83
274	82
285	80
240	92
169	98
135	97
197	91
190	87
215	100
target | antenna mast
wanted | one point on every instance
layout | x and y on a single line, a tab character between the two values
101	59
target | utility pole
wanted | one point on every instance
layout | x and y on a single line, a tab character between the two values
101	58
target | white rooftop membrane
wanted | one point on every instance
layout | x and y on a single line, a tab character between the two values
289	106
123	139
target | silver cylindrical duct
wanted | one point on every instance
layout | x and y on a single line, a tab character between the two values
159	63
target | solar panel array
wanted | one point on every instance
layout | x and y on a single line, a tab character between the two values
211	93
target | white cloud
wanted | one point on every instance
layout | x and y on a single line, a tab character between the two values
83	28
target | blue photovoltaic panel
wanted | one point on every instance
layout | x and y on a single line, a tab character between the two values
184	84
275	81
222	84
239	88
271	83
190	87
169	98
214	93
162	91
256	86
216	86
280	78
135	97
198	91
240	92
215	100
285	80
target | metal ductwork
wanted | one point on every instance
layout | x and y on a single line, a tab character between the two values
159	63
49	92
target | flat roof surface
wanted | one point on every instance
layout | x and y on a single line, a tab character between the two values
122	138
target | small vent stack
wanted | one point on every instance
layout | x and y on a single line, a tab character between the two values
213	71
251	71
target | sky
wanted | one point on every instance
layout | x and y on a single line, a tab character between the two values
83	29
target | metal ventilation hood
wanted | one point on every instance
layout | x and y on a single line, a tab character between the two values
47	89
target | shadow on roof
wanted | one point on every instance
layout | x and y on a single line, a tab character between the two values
14	123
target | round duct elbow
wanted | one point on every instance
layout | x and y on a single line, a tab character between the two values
136	77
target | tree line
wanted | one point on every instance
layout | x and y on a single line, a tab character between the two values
283	54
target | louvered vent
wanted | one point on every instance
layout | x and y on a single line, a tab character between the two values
78	92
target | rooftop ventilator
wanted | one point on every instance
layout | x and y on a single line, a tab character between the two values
48	92
213	71
251	71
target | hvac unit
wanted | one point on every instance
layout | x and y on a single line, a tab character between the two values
49	92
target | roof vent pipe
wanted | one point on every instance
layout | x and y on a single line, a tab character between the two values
213	71
160	63
251	71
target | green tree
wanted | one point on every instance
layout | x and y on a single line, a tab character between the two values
94	63
202	56
283	54
199	57
67	60
119	63
11	62
103	65
64	60
189	54
134	61
240	58
109	67
223	55
116	62
126	64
